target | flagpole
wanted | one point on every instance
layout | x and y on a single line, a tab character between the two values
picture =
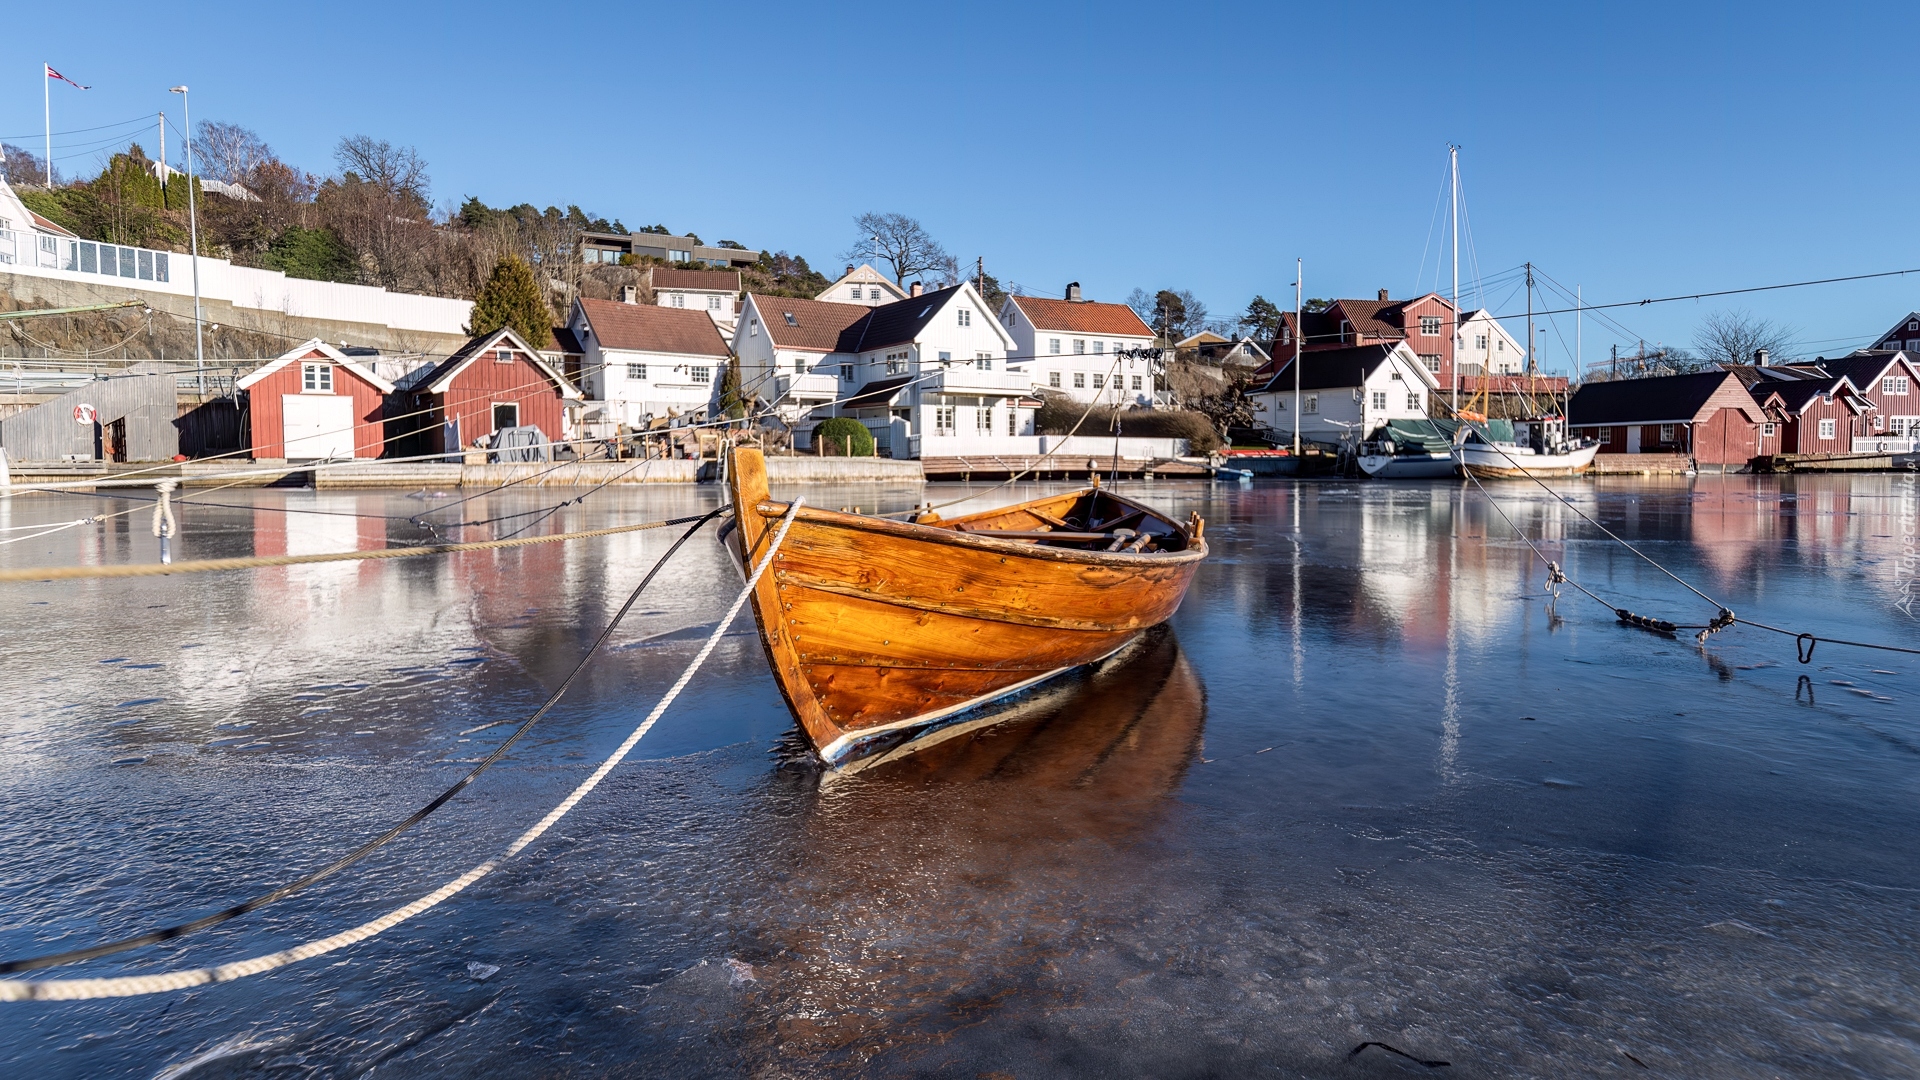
46	104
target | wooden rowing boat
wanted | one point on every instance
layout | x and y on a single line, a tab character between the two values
878	628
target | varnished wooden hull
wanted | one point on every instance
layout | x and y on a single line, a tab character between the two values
875	626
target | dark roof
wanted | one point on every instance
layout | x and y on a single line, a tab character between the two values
1862	368
645	328
805	324
1795	395
716	280
895	323
1329	369
561	340
1082	317
1668	399
878	394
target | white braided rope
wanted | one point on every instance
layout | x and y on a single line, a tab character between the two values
132	985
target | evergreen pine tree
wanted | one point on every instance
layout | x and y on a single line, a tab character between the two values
511	297
730	401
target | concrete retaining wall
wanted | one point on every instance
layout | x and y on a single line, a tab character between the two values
1639	464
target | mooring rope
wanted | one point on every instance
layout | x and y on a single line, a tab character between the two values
170	933
132	985
250	562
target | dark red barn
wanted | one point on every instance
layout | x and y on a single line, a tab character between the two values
494	381
314	402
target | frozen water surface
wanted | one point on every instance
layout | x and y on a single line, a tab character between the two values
1369	786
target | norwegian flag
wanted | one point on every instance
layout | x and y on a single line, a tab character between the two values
52	74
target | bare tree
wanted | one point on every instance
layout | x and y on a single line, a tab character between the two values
1173	313
1732	337
399	171
902	243
24	167
228	152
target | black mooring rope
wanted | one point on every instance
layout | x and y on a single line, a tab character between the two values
1355	1052
153	937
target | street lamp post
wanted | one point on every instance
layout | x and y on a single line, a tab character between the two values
193	238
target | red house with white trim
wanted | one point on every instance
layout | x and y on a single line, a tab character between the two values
313	402
494	381
1708	416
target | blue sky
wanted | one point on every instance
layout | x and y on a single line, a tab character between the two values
1633	149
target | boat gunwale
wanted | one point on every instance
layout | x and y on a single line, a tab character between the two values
984	539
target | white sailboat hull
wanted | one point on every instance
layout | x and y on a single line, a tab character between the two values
1484	460
1407	466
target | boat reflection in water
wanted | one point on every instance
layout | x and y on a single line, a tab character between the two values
922	880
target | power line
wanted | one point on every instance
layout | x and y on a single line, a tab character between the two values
1719	292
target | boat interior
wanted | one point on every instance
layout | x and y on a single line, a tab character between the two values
1089	520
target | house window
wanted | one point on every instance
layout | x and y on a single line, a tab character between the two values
1826	428
1096	347
1666	433
713	303
316	378
1894	384
946	359
679	300
1432	360
1413	402
1053	346
846	372
1079	346
1311	406
505	415
791	321
965	317
1767	431
1013	421
1099	381
1913	325
1429	326
799	367
1346	331
1480	341
1913	344
983	420
1380	399
856	292
896	363
1500	346
1079	380
1136	382
700	374
983	361
503	356
637	371
943	419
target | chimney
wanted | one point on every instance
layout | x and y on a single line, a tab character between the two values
849	270
1383	294
914	289
1760	358
1073	292
629	294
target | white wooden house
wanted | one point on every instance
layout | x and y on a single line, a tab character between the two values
1346	391
643	366
862	285
1068	346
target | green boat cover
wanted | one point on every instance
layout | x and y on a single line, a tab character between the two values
1435	436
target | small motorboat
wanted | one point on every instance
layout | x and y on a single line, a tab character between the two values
876	627
1537	447
1408	450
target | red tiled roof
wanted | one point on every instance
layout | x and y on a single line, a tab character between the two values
719	280
1085	317
644	328
815	325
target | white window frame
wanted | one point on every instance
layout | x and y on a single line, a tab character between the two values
1666	434
503	356
1429	326
636	373
983	361
1895	385
1432	361
700	375
679	299
1310	406
983	420
1769	430
1099	380
1079	380
1053	346
1053	380
1827	427
316	378
963	316
1414	402
713	303
1380	400
1079	346
943	420
1136	382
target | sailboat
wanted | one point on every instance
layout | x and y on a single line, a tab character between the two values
1409	450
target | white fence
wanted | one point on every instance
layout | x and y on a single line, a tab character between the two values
1884	445
1066	448
60	257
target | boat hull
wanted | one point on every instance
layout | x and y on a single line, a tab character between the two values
874	626
1408	466
1490	463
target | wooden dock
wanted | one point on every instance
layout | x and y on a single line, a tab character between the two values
1058	467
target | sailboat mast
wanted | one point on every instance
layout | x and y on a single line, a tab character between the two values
1453	162
1299	273
1529	318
